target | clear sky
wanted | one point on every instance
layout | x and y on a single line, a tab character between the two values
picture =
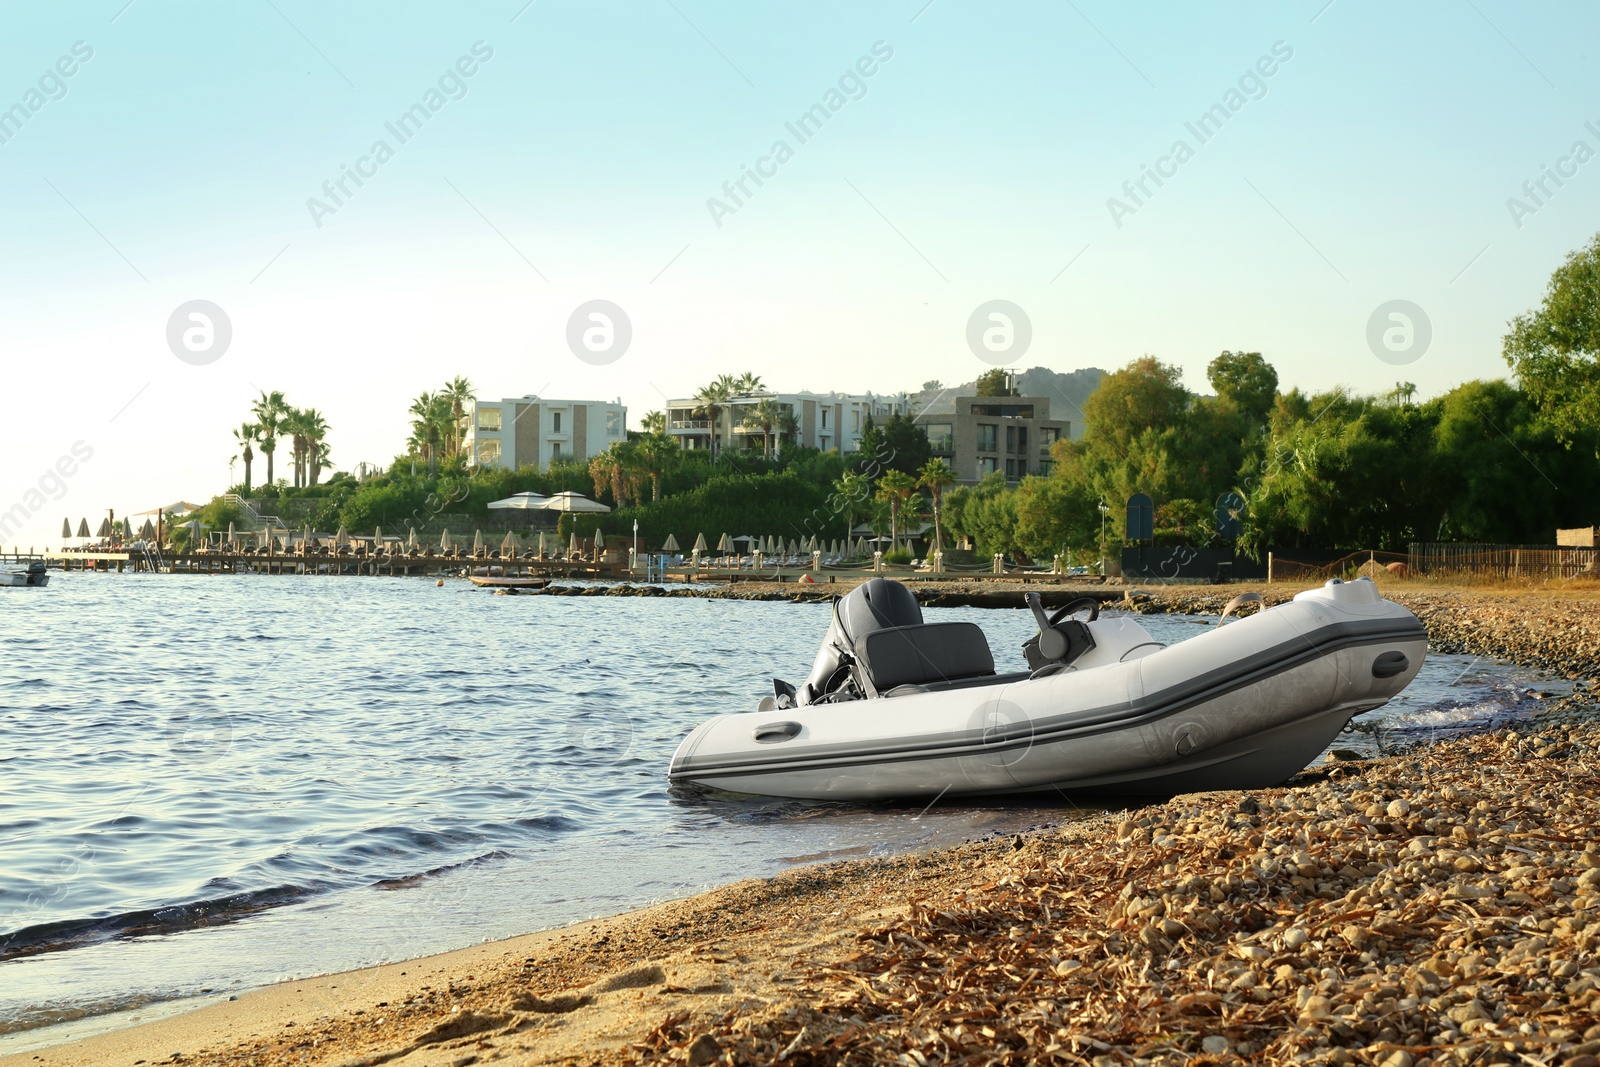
575	162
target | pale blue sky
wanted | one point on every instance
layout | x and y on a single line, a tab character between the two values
577	165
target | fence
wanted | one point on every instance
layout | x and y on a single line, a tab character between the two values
1503	561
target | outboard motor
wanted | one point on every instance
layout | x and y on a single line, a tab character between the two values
36	574
874	605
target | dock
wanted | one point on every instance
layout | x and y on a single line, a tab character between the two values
609	568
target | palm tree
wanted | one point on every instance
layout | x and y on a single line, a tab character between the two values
657	453
710	401
896	488
429	425
246	435
269	410
852	493
459	392
315	428
935	476
293	427
747	383
654	422
764	416
787	427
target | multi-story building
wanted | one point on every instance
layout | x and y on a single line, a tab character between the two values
821	420
1012	434
536	431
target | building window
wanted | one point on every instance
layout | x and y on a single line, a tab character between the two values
1048	435
855	421
489	419
489	452
941	436
1011	440
824	418
987	465
1045	467
555	424
613	422
987	435
555	451
1011	470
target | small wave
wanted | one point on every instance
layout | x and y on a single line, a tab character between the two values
411	881
168	919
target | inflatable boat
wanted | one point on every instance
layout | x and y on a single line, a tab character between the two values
896	707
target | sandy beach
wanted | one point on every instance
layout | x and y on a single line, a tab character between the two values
1441	906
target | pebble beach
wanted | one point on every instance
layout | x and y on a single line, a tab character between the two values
1440	905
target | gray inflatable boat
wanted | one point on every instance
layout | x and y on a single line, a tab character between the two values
896	707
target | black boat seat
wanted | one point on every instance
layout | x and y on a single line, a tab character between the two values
925	654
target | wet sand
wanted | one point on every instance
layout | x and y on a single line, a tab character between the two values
1436	907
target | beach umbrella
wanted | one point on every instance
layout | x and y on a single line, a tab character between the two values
726	544
572	545
411	539
520	502
377	536
811	543
444	540
105	528
83	528
794	549
541	544
230	533
477	542
147	531
599	540
342	537
670	544
570	501
699	543
66	529
512	543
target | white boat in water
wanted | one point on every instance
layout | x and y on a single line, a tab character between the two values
34	575
899	708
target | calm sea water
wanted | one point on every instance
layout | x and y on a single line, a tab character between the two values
212	783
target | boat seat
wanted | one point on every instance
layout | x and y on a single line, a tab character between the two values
924	654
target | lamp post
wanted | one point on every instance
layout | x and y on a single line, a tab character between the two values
635	544
1105	512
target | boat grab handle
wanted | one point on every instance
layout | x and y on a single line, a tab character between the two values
770	733
1240	601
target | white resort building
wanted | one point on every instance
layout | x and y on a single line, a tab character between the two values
532	430
820	420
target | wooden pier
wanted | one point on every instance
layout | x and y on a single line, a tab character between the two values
452	565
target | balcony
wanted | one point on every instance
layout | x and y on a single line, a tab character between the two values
690	424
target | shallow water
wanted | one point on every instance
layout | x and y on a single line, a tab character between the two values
211	783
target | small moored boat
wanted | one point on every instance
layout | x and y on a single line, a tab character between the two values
898	707
33	575
507	583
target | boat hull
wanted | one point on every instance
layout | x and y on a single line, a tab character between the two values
18	579
1243	706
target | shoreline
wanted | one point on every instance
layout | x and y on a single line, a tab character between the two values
643	983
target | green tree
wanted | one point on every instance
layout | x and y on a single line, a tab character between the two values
764	416
936	476
710	401
898	444
895	488
995	382
246	435
458	391
1554	350
1247	380
269	410
1054	515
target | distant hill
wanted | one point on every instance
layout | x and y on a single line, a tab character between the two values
1067	393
